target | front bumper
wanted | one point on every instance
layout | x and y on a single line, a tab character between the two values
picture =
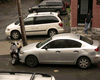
22	58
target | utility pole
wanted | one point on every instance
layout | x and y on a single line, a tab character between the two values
21	23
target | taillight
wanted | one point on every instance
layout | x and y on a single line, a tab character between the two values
61	24
63	8
97	49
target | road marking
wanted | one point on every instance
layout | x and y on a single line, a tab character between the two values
56	71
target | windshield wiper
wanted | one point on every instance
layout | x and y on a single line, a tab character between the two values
32	77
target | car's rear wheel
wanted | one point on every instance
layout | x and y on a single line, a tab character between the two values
15	35
84	62
52	32
31	61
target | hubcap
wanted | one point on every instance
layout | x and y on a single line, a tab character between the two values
83	63
52	33
15	35
31	61
34	11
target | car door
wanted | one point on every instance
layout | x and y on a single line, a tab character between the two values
71	50
52	54
29	25
42	7
43	23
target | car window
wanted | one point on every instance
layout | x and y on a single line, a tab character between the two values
42	3
54	44
54	4
71	44
42	43
86	40
45	19
28	21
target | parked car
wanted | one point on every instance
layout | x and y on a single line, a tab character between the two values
66	48
44	23
49	6
6	75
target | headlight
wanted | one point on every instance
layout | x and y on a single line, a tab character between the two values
21	52
8	29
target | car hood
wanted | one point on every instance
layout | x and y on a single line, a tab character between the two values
29	47
34	7
11	25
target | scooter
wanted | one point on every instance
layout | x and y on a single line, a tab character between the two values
14	51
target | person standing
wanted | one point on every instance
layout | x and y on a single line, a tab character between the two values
88	20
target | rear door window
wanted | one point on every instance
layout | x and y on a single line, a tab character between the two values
45	19
71	44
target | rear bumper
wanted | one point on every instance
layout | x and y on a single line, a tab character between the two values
95	59
63	11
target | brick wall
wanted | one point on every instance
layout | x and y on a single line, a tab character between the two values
96	15
74	7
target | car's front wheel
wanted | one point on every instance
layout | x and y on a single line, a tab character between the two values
52	32
15	34
34	11
84	62
31	61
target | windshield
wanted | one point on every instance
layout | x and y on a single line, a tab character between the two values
42	43
86	40
17	22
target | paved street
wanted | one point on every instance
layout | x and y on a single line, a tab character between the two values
65	72
8	14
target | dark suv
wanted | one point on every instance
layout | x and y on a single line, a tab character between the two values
49	6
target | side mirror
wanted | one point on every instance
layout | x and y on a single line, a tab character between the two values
46	48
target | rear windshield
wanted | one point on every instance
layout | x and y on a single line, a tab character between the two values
86	40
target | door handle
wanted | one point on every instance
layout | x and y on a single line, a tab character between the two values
57	51
76	51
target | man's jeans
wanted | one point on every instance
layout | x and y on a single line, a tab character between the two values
87	26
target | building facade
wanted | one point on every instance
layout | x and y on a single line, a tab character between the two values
79	10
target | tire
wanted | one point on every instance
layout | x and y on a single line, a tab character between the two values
15	35
84	62
34	11
58	12
52	33
31	61
13	61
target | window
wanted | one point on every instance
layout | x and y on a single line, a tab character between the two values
42	3
86	40
54	44
42	43
28	21
54	4
71	44
45	19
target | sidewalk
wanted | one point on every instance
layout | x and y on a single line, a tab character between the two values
5	46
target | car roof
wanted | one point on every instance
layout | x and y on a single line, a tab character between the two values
66	36
43	14
22	76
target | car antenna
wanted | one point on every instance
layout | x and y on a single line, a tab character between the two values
32	77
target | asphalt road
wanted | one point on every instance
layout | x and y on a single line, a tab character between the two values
8	14
65	72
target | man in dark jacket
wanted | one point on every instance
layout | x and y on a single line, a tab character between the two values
87	22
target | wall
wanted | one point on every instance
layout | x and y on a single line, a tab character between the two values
96	15
74	7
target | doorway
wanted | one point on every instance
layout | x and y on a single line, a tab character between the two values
83	9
